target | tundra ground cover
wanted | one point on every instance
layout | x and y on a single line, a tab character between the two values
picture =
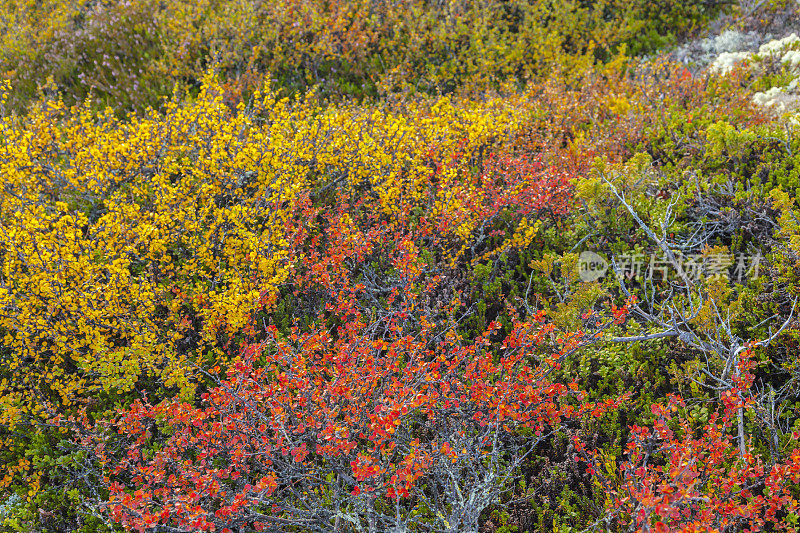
409	267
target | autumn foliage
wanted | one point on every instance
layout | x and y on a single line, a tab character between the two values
352	421
413	266
677	477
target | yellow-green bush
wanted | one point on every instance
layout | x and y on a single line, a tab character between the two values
132	53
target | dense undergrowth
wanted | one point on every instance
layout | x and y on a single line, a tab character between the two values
398	266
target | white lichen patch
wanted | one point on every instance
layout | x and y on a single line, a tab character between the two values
782	100
767	98
791	59
776	100
778	45
727	61
732	41
779	100
702	53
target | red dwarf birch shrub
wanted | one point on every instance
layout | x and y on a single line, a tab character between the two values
511	192
344	430
678	476
376	416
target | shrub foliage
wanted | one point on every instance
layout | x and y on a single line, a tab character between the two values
395	266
